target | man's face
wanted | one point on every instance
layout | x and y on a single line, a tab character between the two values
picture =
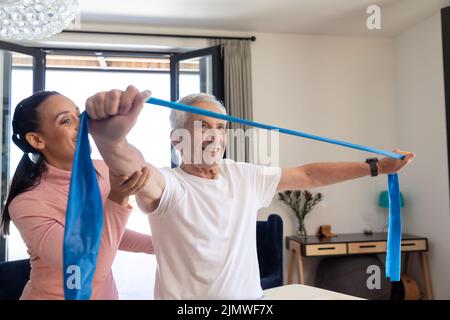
207	138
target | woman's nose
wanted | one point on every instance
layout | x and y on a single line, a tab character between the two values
77	122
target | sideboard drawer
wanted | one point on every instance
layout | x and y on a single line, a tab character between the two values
414	245
326	249
367	247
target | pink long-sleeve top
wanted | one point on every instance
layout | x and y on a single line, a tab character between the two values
39	215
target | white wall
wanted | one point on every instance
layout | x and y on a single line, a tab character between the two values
340	87
421	127
380	92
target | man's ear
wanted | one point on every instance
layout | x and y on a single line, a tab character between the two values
35	140
175	140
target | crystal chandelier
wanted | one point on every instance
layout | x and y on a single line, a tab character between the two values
35	19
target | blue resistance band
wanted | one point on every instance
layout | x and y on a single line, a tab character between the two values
207	113
84	221
394	250
84	216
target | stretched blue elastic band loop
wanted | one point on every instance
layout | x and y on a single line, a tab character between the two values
394	233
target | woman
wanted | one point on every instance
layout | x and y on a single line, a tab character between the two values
45	125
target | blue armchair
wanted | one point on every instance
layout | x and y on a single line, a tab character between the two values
14	275
269	242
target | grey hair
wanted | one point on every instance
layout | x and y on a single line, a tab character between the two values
178	118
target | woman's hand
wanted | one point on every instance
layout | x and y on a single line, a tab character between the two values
122	186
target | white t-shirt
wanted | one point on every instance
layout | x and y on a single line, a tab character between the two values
204	232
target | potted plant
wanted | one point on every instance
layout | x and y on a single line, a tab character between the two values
301	202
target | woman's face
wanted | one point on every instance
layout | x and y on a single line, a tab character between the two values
58	129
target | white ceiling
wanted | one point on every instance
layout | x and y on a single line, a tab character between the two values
343	17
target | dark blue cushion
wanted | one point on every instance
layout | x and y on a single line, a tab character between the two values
14	275
269	242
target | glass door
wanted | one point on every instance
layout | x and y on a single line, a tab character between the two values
23	67
197	71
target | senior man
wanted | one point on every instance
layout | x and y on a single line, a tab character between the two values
203	213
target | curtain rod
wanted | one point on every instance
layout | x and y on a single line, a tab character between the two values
252	38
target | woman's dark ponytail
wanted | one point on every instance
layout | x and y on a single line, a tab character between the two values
29	170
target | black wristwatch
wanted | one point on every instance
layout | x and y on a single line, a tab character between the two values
373	166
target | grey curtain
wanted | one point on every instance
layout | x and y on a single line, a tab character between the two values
238	92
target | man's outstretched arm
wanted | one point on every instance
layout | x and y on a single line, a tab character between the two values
112	115
315	175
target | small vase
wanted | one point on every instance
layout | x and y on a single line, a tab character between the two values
301	231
